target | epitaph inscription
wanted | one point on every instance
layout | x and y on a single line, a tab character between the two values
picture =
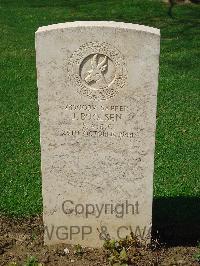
97	88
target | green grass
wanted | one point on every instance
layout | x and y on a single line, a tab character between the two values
177	141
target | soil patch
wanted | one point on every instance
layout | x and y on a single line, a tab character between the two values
22	238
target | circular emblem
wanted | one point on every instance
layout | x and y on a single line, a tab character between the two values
97	70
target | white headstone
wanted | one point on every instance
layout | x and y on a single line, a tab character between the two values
97	86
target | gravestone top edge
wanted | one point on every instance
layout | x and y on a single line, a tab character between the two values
111	24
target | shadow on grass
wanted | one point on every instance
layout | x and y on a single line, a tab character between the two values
176	221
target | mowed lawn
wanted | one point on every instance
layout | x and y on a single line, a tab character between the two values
177	163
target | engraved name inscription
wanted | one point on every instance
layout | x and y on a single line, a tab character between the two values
97	120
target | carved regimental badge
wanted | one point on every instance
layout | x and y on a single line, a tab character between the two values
97	70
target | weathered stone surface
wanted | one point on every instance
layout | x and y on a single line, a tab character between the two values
97	86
